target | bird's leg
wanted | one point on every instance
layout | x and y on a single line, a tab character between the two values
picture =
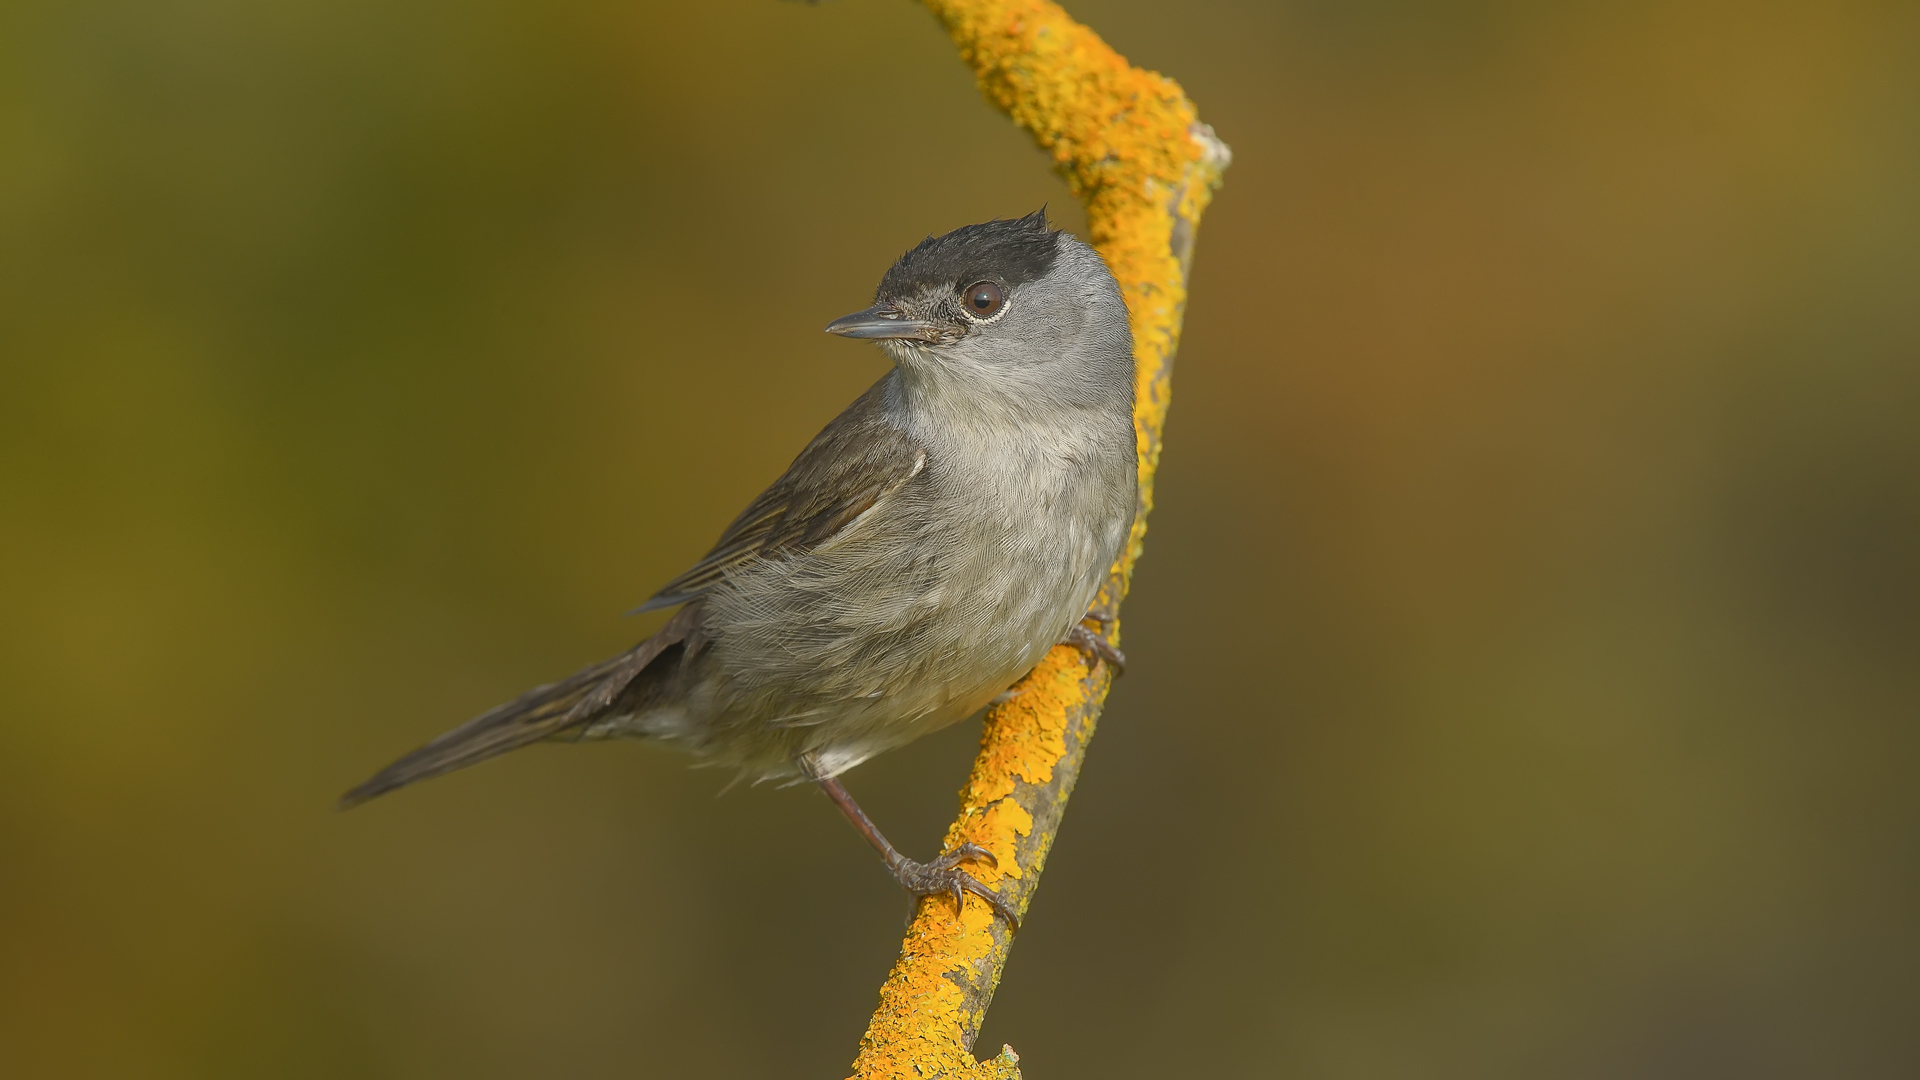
942	875
1094	643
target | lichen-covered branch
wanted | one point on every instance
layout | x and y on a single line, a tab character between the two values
1134	151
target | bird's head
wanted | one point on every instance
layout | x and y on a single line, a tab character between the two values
1003	302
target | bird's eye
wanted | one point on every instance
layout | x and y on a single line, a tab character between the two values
982	299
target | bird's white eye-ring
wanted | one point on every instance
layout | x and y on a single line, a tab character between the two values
983	301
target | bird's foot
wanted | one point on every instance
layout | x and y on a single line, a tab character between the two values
944	876
1094	643
941	876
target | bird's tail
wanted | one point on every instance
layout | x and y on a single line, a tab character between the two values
541	713
546	711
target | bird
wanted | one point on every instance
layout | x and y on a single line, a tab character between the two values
916	559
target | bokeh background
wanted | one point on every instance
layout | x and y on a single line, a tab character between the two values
1525	656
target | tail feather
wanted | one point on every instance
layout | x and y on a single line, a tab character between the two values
541	713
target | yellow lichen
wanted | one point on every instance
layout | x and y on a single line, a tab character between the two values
1129	144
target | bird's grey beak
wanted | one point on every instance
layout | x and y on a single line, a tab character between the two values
881	321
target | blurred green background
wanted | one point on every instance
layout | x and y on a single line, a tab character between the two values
1525	658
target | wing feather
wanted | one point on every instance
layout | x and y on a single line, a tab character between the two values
859	459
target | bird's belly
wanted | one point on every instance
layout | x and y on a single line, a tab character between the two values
854	649
957	662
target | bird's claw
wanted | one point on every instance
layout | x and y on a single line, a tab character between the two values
1096	646
943	875
965	851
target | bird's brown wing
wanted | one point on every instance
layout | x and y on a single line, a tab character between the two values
843	472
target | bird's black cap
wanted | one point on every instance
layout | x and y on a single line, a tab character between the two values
1009	252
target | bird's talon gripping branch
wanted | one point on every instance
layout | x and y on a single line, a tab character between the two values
943	875
1097	648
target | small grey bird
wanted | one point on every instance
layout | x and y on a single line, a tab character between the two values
920	555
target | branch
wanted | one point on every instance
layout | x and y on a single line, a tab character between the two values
1132	148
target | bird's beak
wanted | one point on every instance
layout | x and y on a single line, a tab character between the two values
881	321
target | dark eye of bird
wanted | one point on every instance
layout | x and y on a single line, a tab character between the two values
983	299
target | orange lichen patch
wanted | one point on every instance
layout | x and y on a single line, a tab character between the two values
998	828
1026	735
1022	741
1130	146
921	1026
